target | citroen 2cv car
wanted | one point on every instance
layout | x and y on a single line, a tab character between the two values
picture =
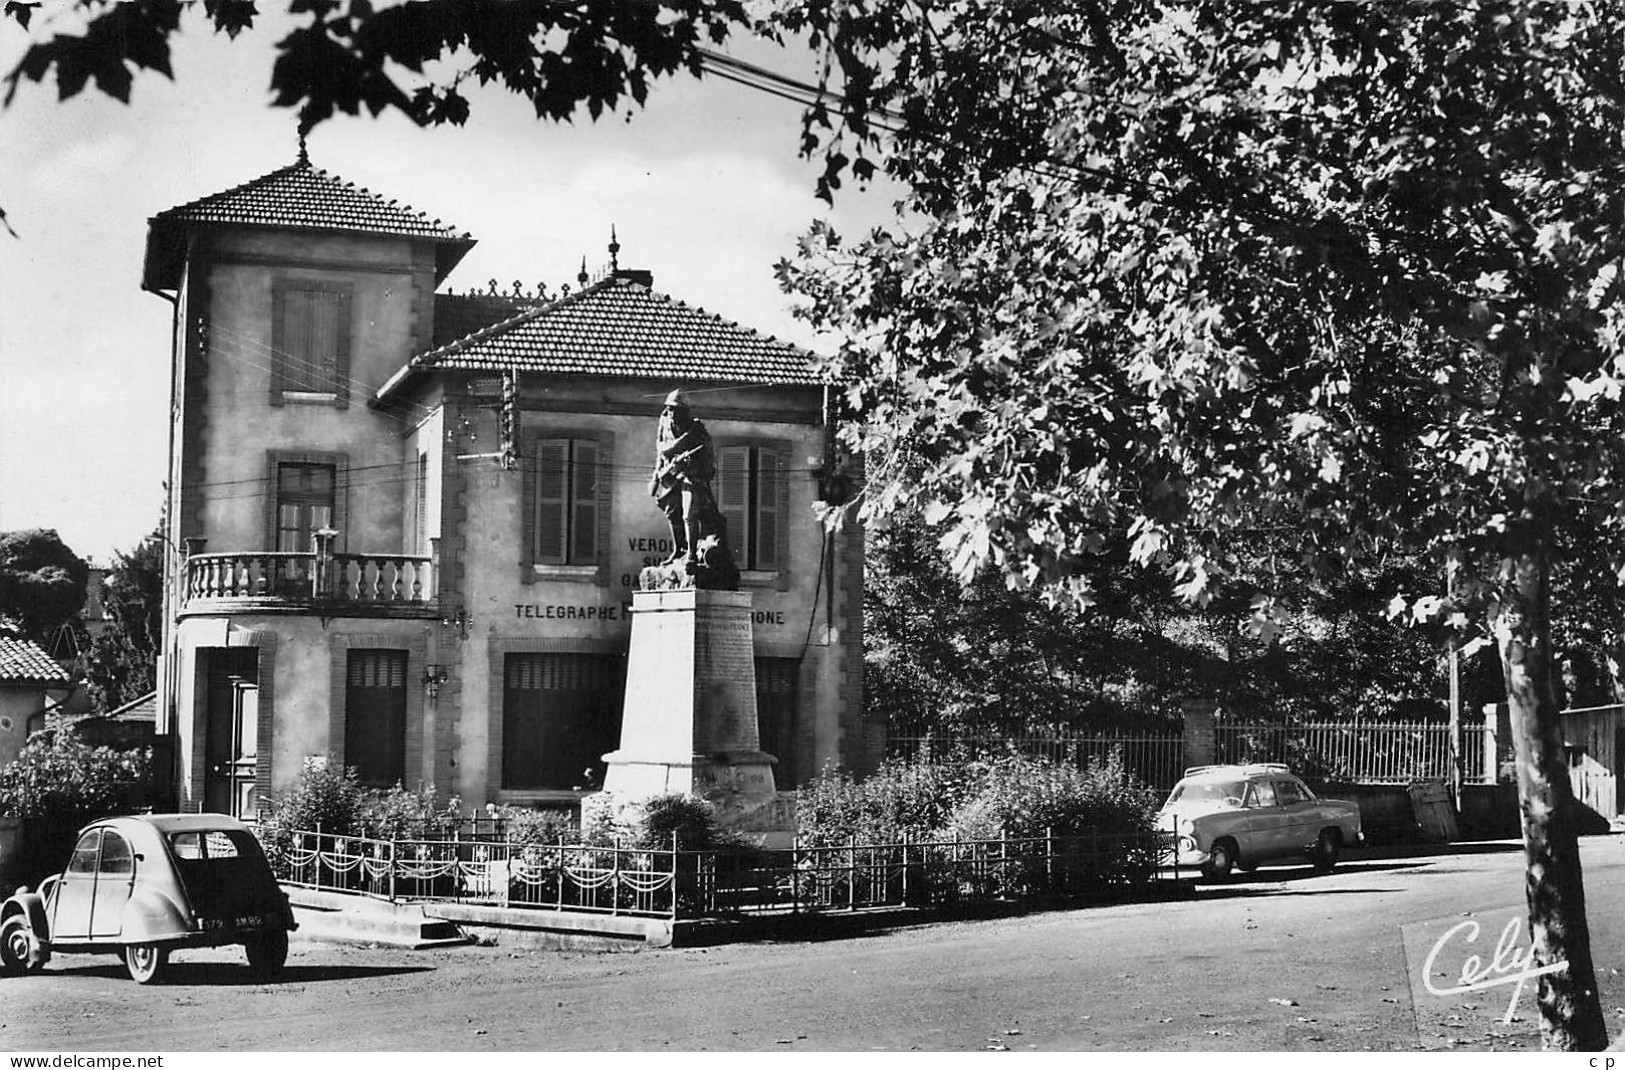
1224	816
141	887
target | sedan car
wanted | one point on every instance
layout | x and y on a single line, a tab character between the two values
140	887
1236	816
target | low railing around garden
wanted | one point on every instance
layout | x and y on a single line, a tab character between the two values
672	883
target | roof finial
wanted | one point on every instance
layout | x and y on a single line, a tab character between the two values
304	129
582	276
614	250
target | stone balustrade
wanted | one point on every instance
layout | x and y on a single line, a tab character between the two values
268	580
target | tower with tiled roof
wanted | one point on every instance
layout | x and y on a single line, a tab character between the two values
408	523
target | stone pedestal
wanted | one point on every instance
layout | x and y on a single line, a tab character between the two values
689	722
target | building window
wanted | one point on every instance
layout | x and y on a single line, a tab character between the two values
750	495
311	343
776	687
375	716
561	713
304	503
566	510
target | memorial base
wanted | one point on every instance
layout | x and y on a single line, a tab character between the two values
689	726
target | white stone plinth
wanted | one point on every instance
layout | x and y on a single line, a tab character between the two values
689	722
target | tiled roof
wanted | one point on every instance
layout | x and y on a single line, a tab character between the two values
459	315
22	661
300	196
620	327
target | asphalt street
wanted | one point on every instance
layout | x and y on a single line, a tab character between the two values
1284	960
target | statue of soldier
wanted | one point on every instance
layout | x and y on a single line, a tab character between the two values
685	464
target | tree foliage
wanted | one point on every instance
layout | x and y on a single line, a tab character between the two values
123	660
42	582
964	658
1326	281
411	57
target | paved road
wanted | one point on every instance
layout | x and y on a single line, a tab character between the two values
1289	961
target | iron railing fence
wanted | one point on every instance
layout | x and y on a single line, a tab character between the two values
1368	751
1157	758
1358	750
675	883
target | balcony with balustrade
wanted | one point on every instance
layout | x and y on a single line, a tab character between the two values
319	582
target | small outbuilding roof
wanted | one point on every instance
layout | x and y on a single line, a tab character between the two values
25	662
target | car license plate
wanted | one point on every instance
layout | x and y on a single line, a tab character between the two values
247	921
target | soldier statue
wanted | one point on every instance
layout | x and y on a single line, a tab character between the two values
685	463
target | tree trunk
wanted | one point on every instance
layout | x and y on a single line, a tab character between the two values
1570	1011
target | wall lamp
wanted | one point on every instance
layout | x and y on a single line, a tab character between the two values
459	620
433	677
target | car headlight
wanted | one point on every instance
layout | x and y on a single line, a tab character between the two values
1187	844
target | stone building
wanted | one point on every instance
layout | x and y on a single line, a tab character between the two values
406	522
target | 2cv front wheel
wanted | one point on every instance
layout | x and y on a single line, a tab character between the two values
17	946
146	962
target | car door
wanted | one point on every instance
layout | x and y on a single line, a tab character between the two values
115	878
75	893
1300	827
1266	822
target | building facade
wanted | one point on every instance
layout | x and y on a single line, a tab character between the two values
406	524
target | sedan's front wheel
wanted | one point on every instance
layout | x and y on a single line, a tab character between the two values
1220	861
146	962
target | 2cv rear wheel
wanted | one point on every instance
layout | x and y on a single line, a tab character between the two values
267	952
146	962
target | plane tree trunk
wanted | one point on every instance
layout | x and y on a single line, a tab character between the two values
1570	1008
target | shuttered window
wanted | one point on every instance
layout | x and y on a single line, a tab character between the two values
750	495
566	501
561	713
375	716
310	341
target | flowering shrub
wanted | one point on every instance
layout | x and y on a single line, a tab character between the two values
1021	796
62	779
397	814
324	798
915	800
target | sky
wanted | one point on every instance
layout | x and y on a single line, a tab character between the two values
703	186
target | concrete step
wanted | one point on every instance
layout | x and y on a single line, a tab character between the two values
338	917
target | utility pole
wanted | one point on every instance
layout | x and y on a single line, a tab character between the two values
1453	659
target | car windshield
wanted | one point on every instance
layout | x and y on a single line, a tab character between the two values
1205	791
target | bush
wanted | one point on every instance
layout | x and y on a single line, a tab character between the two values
1021	796
397	814
900	799
324	798
60	778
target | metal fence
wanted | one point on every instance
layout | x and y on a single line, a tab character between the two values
1157	759
674	883
1369	751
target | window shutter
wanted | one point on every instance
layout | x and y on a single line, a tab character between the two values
552	486
339	304
279	344
584	502
733	498
420	506
769	509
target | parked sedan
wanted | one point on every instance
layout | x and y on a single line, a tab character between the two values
140	887
1236	816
